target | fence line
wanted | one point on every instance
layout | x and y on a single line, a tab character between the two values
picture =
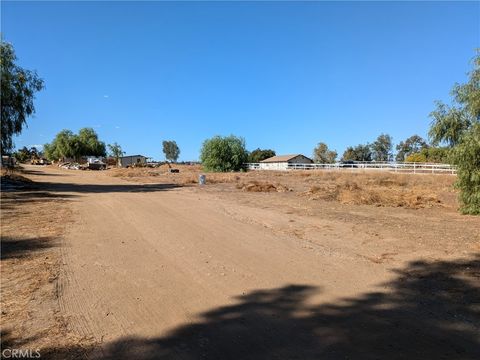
399	167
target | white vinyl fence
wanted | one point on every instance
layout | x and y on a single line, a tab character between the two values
398	167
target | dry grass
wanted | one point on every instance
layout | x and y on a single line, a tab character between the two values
32	225
14	176
262	186
358	188
409	191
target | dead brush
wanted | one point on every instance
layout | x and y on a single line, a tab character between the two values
222	178
262	186
377	192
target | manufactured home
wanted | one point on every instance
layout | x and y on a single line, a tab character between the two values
131	160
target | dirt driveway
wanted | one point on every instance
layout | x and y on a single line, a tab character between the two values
159	271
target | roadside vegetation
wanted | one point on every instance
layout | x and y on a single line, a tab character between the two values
69	145
454	135
224	153
19	87
458	127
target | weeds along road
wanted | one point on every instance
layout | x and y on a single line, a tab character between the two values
142	261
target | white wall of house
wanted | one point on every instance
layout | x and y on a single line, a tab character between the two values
274	166
283	165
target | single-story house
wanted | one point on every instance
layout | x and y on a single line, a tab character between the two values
282	162
131	160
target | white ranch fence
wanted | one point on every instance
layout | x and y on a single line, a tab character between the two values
398	167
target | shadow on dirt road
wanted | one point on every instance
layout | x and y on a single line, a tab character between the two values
105	188
430	311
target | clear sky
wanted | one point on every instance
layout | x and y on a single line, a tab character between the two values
284	75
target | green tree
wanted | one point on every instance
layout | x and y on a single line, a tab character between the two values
358	153
466	155
89	144
116	151
23	154
223	153
458	126
66	144
18	93
323	155
416	158
414	144
258	155
449	124
61	146
436	154
382	148
171	150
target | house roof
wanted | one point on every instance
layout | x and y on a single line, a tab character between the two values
281	158
127	156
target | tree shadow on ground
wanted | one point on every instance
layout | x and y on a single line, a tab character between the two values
105	188
15	198
20	247
431	310
41	173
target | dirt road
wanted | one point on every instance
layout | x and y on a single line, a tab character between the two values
159	271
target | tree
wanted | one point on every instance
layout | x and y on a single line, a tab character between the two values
358	153
23	154
18	93
223	153
435	154
61	146
432	155
414	144
171	150
116	151
323	155
466	155
258	155
449	124
89	144
416	158
458	126
382	148
68	145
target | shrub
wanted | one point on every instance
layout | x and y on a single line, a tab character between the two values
417	157
223	153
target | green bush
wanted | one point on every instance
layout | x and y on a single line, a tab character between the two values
223	153
417	157
466	155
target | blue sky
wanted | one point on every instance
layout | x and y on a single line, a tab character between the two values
284	75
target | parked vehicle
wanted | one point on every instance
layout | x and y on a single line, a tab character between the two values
348	164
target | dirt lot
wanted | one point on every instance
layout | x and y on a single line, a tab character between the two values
139	263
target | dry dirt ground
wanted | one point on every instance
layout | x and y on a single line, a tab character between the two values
141	264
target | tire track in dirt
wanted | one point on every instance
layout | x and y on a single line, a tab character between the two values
140	261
